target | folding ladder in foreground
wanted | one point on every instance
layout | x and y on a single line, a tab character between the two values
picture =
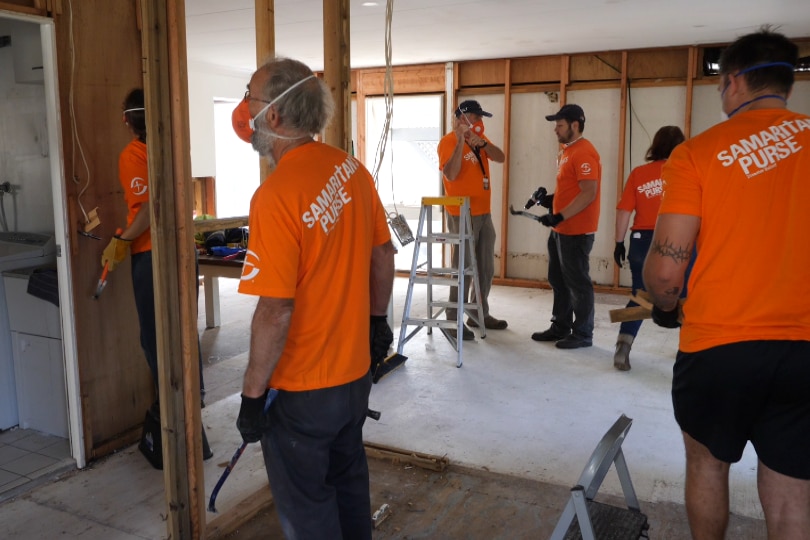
430	275
586	519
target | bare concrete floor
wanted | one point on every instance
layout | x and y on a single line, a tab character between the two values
517	422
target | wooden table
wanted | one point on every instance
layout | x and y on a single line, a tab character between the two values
211	269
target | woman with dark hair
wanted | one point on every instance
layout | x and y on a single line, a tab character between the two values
642	193
136	237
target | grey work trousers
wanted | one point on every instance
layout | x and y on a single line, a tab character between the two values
484	237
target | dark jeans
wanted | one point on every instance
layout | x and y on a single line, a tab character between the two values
569	277
636	256
316	463
144	288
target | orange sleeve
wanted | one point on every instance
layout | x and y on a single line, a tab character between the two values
682	186
274	247
628	200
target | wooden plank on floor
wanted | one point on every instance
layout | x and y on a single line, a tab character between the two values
250	507
398	455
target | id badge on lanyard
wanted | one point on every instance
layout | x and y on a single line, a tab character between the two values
477	153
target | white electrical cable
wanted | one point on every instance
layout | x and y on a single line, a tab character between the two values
388	90
74	127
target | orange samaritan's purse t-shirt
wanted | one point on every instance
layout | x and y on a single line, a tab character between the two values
313	224
578	161
642	193
748	180
470	179
133	173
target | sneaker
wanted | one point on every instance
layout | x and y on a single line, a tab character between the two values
490	323
466	333
552	334
573	342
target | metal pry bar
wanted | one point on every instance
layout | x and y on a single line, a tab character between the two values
523	213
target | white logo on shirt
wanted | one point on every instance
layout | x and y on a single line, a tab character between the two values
585	168
250	267
327	207
653	188
762	151
138	186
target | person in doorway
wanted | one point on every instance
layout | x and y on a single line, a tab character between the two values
641	194
464	156
321	260
742	368
574	218
136	238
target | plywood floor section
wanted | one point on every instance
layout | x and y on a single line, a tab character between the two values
474	504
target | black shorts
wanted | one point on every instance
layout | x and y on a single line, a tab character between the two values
756	391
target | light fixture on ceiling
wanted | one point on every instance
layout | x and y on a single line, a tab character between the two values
370	4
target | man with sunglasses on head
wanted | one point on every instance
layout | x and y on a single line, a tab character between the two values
464	156
743	365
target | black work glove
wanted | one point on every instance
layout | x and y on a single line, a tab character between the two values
551	220
667	319
252	421
546	201
536	197
380	339
619	253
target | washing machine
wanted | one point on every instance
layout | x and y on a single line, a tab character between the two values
17	250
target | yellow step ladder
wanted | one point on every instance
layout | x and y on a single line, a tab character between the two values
427	274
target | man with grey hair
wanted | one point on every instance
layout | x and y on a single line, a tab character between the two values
321	260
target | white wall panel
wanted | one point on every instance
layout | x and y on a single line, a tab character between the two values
602	108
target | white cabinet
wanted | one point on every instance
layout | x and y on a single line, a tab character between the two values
40	378
39	368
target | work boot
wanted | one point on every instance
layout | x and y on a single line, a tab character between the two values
552	334
490	323
466	333
573	342
206	449
621	360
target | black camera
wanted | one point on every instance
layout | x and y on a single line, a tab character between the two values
536	198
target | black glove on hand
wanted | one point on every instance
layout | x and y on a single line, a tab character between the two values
546	201
667	319
252	422
381	338
551	220
619	253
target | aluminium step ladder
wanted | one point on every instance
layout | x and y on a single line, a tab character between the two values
430	275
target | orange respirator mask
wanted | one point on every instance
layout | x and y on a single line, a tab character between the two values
241	120
244	123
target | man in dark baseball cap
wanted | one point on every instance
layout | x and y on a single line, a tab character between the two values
571	113
464	159
574	218
471	107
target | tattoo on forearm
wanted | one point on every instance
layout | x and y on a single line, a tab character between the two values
679	254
